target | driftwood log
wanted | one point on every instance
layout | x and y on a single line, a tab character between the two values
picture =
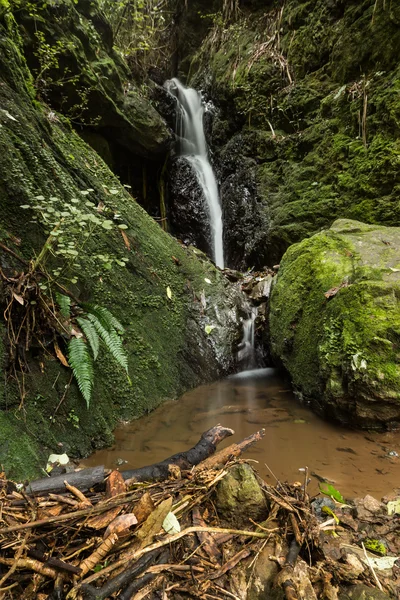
204	448
87	478
83	480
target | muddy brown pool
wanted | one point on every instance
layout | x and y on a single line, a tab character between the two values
356	462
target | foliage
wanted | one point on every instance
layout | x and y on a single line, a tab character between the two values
99	324
330	490
82	366
69	226
33	312
141	30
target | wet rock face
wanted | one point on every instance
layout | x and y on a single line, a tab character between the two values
294	105
188	215
335	322
245	219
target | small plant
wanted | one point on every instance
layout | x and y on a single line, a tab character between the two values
39	310
97	325
73	418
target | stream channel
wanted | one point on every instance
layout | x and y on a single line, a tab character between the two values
356	462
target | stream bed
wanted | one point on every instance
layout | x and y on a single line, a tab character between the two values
356	462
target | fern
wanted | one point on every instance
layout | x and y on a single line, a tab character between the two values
64	302
112	341
91	335
82	366
104	316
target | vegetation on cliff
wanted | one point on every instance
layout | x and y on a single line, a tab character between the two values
154	287
308	98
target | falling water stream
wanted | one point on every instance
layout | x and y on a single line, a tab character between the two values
193	147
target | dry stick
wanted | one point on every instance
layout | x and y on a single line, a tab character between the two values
72	515
133	569
16	558
32	565
169	540
378	583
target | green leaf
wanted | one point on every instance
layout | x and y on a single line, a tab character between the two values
82	366
91	335
105	317
112	341
64	302
121	226
331	491
375	546
107	224
209	328
330	512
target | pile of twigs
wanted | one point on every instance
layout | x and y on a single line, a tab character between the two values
161	540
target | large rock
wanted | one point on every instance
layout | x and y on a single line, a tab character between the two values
69	48
165	296
335	321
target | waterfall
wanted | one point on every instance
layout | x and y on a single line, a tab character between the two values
193	147
246	354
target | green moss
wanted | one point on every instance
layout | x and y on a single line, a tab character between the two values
343	351
303	78
167	347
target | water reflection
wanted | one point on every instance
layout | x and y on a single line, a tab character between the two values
357	462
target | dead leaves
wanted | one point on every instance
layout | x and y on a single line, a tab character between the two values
120	525
333	291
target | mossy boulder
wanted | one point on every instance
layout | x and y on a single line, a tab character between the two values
362	592
239	496
335	322
165	296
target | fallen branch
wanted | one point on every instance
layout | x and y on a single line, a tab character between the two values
232	451
169	540
184	460
82	480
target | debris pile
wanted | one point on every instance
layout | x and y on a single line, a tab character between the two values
214	531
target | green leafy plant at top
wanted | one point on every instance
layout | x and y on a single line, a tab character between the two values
97	325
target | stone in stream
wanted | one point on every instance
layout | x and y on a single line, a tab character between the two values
239	496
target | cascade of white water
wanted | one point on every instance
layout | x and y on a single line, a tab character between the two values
193	147
246	354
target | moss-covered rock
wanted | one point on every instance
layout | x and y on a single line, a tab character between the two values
69	49
335	321
165	338
239	496
309	101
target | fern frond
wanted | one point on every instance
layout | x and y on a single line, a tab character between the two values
112	341
106	318
64	302
82	366
91	335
